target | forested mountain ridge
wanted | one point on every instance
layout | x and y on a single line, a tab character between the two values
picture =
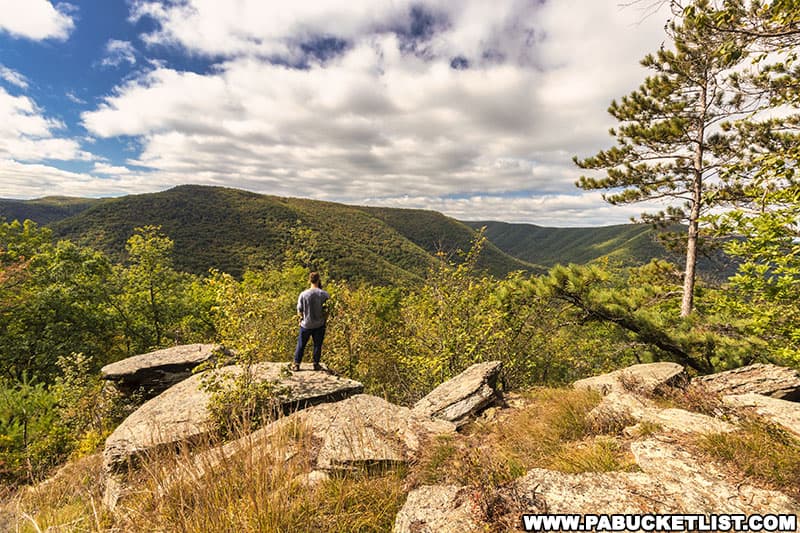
547	246
624	244
234	230
44	210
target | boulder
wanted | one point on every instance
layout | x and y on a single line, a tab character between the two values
625	400
671	481
646	378
362	431
769	380
548	491
699	486
781	412
180	414
619	408
153	373
682	421
439	509
464	396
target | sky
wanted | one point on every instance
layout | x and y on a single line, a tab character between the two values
468	107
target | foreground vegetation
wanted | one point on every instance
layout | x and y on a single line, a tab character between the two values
258	490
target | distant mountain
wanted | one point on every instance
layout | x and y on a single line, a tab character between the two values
233	230
45	210
625	244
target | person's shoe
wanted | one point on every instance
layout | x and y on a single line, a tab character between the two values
295	367
317	366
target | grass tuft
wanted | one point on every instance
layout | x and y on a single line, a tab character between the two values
761	451
601	454
494	453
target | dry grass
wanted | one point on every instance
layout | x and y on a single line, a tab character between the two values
600	454
762	451
695	397
69	501
263	488
494	453
260	488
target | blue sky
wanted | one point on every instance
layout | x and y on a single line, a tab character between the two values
471	108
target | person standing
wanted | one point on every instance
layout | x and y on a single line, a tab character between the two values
312	314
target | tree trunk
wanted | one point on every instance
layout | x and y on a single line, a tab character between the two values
687	304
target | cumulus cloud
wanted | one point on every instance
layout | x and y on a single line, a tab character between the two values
110	170
13	77
27	135
469	32
36	19
582	209
34	180
118	52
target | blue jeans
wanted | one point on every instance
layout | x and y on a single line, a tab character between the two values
317	334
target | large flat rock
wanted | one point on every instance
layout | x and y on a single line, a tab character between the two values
781	412
646	378
154	372
464	396
671	481
180	414
361	431
699	486
682	421
626	400
769	380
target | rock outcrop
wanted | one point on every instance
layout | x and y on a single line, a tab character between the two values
152	373
180	414
780	412
671	481
626	400
464	396
683	421
648	378
363	432
439	509
768	380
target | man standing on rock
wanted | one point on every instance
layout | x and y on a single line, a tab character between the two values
312	313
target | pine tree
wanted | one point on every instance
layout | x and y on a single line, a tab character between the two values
670	145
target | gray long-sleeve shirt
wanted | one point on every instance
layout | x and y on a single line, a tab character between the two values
309	305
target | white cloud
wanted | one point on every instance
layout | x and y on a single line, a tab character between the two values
34	180
36	19
566	210
110	170
27	135
13	77
118	52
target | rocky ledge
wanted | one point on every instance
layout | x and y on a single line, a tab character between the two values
152	373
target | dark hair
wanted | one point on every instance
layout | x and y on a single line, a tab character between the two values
314	279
